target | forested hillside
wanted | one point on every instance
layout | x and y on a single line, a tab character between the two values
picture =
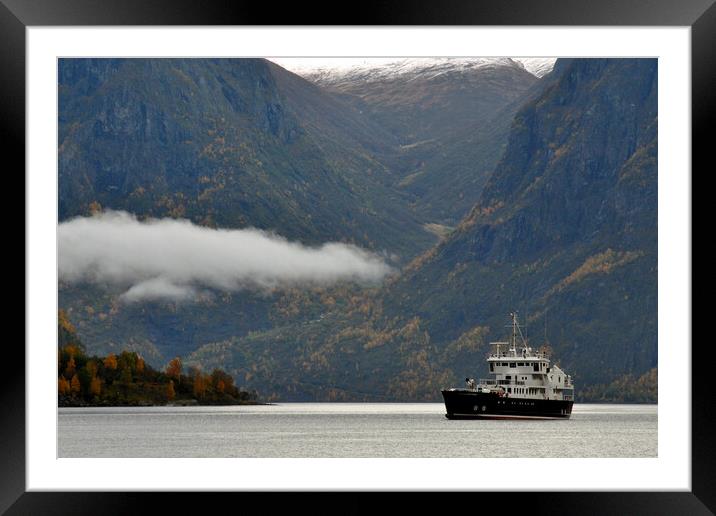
126	379
486	188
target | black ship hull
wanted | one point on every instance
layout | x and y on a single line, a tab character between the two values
467	404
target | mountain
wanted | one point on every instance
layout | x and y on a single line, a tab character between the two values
232	143
458	169
432	98
450	115
565	232
562	226
226	143
537	66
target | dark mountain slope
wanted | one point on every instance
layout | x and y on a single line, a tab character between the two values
567	227
565	233
451	117
224	142
227	143
457	169
434	98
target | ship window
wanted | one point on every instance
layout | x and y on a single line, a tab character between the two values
520	364
512	364
492	367
535	366
504	364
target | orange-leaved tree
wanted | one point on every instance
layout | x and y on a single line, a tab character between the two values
170	390
63	386
110	362
64	322
75	385
94	208
174	368
91	368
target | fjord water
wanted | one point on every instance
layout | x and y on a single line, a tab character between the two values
350	430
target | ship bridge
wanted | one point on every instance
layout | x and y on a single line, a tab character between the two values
523	372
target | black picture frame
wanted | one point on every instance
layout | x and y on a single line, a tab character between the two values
16	15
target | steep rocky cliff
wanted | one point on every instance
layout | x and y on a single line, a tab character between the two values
228	143
565	231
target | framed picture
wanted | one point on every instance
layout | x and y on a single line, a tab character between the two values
39	35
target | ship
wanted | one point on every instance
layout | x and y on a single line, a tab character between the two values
525	385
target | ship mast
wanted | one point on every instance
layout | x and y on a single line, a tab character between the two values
515	330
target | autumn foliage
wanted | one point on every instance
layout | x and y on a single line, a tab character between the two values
63	386
95	386
171	394
174	368
126	379
110	362
75	385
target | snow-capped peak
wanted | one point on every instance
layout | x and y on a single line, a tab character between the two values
328	70
538	66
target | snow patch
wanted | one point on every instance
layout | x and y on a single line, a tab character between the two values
331	70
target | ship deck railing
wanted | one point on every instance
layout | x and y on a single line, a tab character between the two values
518	354
490	382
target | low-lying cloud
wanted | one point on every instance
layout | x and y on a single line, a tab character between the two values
176	260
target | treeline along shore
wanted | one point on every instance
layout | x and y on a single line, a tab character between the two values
124	379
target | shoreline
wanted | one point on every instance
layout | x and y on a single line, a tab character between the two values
258	403
188	403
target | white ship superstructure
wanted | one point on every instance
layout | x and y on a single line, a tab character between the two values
521	372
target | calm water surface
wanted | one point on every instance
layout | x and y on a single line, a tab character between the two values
350	430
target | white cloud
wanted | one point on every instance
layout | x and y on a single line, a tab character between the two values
175	259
